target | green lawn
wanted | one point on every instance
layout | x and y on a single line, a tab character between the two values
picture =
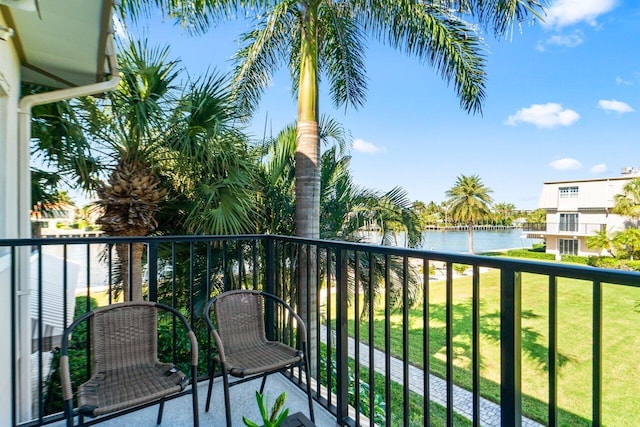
621	344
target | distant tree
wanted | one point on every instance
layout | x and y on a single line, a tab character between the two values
537	216
428	214
504	213
469	202
628	203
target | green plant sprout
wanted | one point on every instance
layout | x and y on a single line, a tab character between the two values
278	413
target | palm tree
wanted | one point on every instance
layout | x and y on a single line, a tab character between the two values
628	242
628	203
147	132
504	213
345	206
469	202
601	240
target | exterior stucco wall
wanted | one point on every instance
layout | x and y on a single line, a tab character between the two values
9	93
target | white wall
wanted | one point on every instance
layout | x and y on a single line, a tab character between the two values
9	93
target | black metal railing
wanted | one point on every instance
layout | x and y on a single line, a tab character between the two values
392	299
534	226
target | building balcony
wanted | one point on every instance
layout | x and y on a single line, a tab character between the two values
563	229
482	340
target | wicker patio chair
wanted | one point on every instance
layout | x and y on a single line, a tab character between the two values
126	374
239	330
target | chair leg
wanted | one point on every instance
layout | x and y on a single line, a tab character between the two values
306	370
264	381
194	396
212	372
68	411
227	406
160	410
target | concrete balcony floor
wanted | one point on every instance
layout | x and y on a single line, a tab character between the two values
177	412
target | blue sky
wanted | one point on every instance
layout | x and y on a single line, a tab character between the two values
562	103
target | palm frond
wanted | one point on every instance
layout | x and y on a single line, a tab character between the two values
435	35
341	54
194	16
263	49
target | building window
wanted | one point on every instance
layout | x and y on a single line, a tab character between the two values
569	222
568	246
568	192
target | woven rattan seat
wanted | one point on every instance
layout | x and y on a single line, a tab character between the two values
125	371
236	320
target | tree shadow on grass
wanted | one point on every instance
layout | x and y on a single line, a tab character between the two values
531	340
533	348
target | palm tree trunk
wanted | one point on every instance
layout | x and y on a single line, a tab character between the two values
131	270
470	229
307	182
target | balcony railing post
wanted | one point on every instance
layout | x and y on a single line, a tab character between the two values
342	343
510	348
270	285
152	263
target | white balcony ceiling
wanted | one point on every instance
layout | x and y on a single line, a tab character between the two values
61	43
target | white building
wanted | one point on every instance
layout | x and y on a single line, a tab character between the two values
65	45
579	209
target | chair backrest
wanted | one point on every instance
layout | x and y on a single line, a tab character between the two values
239	317
124	335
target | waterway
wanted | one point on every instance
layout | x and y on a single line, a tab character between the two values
458	241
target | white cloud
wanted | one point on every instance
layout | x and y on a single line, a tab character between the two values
563	13
600	168
571	40
363	146
548	115
621	81
566	164
617	106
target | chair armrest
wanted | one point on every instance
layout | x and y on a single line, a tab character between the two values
302	329
219	345
65	372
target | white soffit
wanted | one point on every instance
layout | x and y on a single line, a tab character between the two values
61	43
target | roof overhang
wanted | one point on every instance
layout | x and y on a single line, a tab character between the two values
60	43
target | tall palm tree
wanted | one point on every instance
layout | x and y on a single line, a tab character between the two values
469	202
317	37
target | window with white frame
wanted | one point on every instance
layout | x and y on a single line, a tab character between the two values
568	222
568	192
568	246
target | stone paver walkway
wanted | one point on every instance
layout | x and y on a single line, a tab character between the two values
462	399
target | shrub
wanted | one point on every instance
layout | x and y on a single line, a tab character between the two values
460	268
526	253
575	259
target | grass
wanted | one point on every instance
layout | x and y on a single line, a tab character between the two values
621	344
